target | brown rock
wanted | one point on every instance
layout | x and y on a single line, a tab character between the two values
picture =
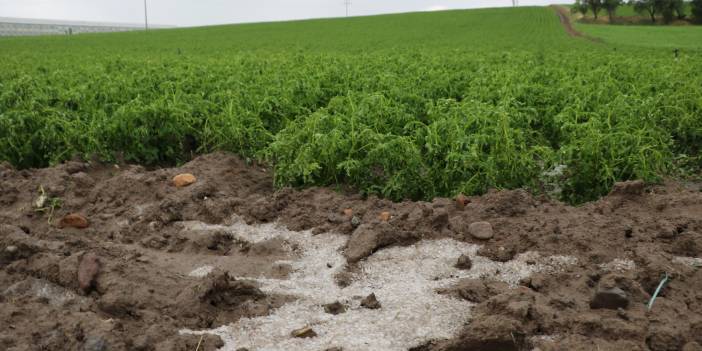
384	216
88	269
464	262
481	230
183	180
348	212
461	201
305	332
74	220
370	302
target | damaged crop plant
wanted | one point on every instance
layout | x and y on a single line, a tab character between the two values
402	114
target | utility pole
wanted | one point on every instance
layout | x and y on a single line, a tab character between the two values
146	17
347	3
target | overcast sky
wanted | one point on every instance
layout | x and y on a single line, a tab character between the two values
204	12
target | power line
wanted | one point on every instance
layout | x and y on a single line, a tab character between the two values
347	3
146	17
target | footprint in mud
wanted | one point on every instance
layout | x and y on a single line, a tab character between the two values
404	280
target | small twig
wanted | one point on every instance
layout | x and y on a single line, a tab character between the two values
658	290
199	342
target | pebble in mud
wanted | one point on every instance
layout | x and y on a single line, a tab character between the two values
613	299
370	302
74	220
183	180
481	230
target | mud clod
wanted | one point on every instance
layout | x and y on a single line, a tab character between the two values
464	262
370	302
220	289
612	299
335	308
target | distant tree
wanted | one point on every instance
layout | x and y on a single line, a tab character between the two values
670	9
611	7
647	6
679	7
696	9
581	7
595	6
666	9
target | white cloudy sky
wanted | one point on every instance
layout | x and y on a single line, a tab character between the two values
203	12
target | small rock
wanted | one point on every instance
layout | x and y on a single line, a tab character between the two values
481	230
370	302
11	249
335	308
183	180
348	212
305	332
464	262
613	299
74	220
88	270
461	201
384	216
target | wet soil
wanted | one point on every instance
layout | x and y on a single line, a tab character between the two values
127	282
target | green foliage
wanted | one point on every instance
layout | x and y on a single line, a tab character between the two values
580	7
611	7
404	106
696	9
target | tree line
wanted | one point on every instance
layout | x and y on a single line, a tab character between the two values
668	9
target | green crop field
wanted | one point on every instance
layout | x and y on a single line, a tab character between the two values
404	106
663	37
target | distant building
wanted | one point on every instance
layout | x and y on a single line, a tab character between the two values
25	26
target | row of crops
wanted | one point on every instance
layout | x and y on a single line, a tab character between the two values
400	123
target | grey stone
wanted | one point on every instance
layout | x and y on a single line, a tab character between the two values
481	230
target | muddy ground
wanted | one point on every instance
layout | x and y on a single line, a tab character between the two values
134	277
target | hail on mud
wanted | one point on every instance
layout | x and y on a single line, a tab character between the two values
404	280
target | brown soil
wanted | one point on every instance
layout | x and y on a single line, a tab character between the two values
123	284
564	16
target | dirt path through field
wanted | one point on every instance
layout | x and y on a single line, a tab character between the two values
564	16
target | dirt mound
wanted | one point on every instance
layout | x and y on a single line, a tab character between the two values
145	267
